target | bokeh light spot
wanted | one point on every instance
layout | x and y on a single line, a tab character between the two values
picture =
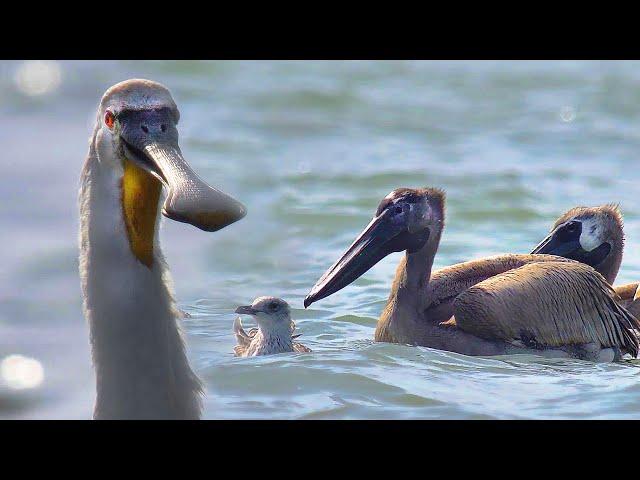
20	372
38	77
567	114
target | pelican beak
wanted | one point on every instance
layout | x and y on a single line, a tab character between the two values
149	139
246	310
553	245
380	238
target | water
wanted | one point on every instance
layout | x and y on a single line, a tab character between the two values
310	148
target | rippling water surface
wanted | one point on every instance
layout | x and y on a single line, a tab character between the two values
310	148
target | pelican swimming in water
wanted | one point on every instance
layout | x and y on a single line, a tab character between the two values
503	304
138	351
275	329
595	236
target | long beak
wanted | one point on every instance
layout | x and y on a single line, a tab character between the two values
189	199
372	245
246	310
572	249
553	246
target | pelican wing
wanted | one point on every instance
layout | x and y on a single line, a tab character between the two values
633	305
449	282
548	304
627	293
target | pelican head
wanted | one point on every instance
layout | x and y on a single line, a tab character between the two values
137	131
404	221
591	235
269	312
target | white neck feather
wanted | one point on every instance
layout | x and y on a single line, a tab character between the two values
275	338
138	352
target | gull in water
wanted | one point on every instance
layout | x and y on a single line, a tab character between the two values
275	329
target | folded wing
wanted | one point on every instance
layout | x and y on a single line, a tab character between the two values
547	304
449	282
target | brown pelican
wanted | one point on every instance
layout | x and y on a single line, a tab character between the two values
502	304
595	236
591	235
275	329
137	347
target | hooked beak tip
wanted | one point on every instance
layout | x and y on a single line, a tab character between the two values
308	300
210	220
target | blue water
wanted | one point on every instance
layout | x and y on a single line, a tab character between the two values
310	148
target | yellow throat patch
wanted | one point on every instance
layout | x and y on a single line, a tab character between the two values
140	197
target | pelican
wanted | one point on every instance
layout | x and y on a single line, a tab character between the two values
137	346
595	236
275	329
504	304
591	235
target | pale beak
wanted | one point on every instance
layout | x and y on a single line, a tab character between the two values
150	139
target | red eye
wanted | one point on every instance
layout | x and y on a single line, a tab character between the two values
109	119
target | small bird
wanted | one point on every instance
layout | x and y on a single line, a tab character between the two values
274	333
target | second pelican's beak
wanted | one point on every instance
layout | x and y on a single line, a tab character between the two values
553	245
571	248
150	139
380	238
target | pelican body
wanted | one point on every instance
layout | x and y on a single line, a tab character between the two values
595	236
137	346
504	304
275	329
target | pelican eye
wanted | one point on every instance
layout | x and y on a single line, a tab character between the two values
273	306
571	227
109	119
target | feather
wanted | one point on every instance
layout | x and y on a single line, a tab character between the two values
546	305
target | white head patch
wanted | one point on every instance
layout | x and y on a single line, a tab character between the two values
592	234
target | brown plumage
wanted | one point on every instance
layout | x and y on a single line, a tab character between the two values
600	228
591	235
503	304
633	304
548	304
449	282
627	292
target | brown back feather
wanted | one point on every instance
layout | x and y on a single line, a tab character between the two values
548	304
626	293
449	282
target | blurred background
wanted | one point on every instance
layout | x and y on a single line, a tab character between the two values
311	148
